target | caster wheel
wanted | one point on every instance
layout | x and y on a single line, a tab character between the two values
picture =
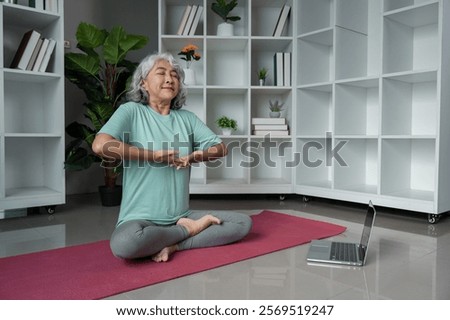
50	209
433	218
282	197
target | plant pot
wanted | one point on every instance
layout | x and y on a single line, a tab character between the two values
110	197
189	77
225	29
274	114
262	82
226	131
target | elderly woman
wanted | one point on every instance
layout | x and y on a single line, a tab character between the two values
157	142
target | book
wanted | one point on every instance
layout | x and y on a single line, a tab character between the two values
191	17
278	61
287	68
47	55
271	132
40	55
270	127
281	22
184	19
268	121
35	54
197	17
37	4
25	50
51	5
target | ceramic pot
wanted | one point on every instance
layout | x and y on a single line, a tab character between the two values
189	77
226	131
225	29
274	114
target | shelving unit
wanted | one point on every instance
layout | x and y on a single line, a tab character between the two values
370	82
31	114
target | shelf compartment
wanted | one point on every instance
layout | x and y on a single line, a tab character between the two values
315	15
360	99
314	110
390	5
411	39
353	15
172	14
195	103
17	20
230	169
28	113
265	16
227	62
315	58
174	46
359	172
408	168
241	27
263	51
410	104
260	103
37	172
231	103
312	169
271	161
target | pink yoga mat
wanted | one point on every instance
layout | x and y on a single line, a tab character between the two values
90	271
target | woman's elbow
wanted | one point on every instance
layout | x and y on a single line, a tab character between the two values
97	145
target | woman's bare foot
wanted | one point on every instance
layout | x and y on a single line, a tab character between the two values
196	226
164	254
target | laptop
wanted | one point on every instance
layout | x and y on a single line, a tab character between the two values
344	253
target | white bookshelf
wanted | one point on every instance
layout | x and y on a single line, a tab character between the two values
371	75
31	114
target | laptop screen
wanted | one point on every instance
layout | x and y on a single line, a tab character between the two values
368	224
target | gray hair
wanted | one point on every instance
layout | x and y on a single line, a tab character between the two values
137	94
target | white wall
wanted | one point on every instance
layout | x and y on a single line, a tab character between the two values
137	17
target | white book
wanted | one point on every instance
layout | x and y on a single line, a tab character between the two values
40	55
278	61
270	132
37	4
197	17
282	19
287	68
51	5
184	19
35	54
25	50
187	28
268	121
270	127
47	56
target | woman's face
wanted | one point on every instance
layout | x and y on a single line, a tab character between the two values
162	82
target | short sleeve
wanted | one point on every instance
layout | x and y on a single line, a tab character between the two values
119	123
204	137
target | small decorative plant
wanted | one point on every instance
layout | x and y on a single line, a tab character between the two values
226	123
276	106
189	54
223	8
262	73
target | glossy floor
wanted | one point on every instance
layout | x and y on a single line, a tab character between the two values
408	258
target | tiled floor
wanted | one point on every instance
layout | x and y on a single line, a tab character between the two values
408	258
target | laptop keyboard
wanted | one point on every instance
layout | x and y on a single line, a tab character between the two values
342	251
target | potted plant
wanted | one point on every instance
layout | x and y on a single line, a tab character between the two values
262	75
101	71
275	108
189	55
223	8
227	125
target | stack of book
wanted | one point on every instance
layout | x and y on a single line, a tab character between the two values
48	5
282	21
190	19
271	126
33	53
282	68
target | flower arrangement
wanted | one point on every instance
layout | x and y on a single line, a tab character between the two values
189	54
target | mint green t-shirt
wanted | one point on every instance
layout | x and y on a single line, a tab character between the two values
156	191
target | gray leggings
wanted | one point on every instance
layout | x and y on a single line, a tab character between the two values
142	238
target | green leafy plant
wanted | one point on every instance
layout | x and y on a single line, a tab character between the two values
262	73
102	72
226	123
276	106
223	9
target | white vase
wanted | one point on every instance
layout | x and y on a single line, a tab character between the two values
262	82
226	131
225	29
189	77
275	114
